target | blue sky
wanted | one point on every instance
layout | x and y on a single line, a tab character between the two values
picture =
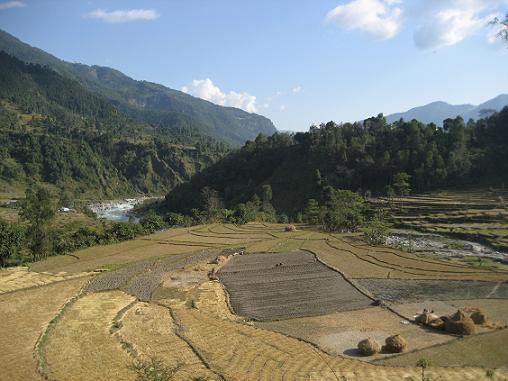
296	61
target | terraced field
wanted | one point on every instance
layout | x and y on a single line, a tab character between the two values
153	298
287	285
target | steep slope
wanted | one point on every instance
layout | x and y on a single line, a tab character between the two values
360	157
149	102
54	130
436	112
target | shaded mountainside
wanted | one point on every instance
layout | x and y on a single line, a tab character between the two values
437	112
360	157
54	130
149	102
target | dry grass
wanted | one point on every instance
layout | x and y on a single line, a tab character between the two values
17	278
81	346
24	315
152	333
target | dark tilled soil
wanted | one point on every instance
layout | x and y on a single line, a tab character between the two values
140	279
273	286
401	291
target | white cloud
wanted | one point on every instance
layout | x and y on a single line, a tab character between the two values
206	89
452	21
282	108
12	4
122	16
266	105
297	89
379	18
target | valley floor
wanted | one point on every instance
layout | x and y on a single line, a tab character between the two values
172	295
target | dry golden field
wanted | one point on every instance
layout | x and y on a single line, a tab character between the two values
154	299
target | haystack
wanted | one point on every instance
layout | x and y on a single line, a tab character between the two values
459	315
437	323
290	228
368	347
219	260
424	318
460	327
395	344
479	317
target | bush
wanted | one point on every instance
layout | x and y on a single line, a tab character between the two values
152	222
122	231
377	230
11	238
175	219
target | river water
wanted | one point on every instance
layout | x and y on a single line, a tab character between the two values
117	210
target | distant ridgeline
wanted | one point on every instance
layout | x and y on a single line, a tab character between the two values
54	130
148	102
360	157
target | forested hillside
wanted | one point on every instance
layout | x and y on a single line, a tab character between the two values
53	130
149	102
360	157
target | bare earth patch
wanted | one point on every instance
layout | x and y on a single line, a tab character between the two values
269	286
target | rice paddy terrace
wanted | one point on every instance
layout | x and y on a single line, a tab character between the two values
293	306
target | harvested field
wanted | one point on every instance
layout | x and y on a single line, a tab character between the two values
17	278
142	278
484	350
152	333
339	333
81	346
24	315
242	352
400	291
272	286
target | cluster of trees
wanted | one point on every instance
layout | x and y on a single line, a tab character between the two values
36	236
53	130
372	157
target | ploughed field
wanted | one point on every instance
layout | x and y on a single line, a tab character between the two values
104	311
286	285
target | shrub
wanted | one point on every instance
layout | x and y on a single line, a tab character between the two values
122	231
153	370
377	230
152	222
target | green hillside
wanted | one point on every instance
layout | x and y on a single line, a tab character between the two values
363	157
149	102
54	130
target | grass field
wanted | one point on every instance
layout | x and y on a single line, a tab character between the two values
153	298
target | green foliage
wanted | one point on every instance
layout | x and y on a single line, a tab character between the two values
153	370
311	213
344	210
152	222
122	231
11	239
424	364
38	210
377	229
175	219
401	184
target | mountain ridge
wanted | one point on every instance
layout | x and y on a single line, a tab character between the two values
436	112
146	101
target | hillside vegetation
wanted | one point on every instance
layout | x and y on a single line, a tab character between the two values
55	131
149	102
372	157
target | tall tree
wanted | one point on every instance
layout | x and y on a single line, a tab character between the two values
11	238
38	210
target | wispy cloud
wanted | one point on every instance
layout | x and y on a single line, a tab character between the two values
452	21
206	89
379	18
297	89
123	15
12	4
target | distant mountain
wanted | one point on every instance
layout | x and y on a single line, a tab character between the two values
436	112
146	101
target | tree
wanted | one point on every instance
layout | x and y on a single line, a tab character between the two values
38	210
503	27
152	222
11	238
211	199
377	229
311	212
344	210
424	364
401	184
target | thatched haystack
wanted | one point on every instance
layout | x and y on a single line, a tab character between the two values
459	323
290	228
395	344
424	318
219	260
369	347
479	317
438	323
